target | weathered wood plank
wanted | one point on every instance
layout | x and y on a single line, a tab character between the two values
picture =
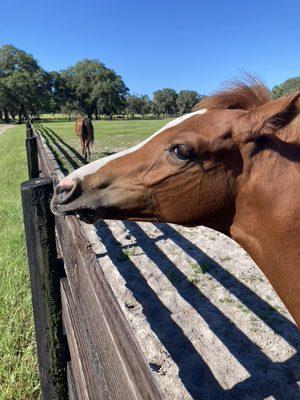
115	366
47	167
71	383
70	317
44	280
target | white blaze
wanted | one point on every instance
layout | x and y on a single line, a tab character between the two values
92	167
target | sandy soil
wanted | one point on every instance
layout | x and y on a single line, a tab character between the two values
206	318
208	321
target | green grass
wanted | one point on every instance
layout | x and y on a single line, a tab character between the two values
110	136
197	269
126	254
18	378
225	258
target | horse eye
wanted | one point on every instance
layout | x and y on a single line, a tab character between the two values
182	152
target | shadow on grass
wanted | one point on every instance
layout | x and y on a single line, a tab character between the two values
63	169
46	135
51	133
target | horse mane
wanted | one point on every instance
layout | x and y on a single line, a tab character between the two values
246	94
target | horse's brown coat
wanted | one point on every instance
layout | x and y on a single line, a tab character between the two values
235	168
85	131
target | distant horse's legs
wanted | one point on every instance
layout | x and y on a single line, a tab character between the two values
83	148
88	148
85	152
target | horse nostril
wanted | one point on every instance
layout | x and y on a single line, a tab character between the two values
65	194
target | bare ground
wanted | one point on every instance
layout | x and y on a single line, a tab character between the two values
208	321
4	128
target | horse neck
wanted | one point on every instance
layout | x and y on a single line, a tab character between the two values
267	223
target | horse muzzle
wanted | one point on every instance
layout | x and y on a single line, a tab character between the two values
107	201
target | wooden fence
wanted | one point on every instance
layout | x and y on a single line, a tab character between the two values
85	347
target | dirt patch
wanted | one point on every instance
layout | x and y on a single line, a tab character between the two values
208	321
4	128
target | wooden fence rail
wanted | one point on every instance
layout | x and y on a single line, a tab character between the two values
105	359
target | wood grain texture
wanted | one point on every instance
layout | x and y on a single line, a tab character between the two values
71	383
70	316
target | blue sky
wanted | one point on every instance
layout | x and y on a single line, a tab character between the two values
185	44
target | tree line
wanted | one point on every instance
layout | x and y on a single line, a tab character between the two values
88	87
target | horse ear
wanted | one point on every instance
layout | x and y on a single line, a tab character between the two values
275	115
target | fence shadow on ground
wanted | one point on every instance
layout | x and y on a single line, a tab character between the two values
266	379
58	139
260	384
62	145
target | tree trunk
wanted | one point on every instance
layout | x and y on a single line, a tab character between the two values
20	116
6	116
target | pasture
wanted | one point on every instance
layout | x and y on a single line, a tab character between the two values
110	136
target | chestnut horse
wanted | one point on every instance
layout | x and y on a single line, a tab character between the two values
85	131
232	165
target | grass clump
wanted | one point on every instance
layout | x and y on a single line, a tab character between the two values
126	254
225	258
197	269
18	376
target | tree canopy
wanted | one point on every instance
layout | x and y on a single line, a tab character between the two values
186	100
137	105
94	88
25	88
287	87
88	87
164	102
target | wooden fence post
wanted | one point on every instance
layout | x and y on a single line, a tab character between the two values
31	152
29	130
45	275
32	157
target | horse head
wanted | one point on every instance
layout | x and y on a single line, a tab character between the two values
186	173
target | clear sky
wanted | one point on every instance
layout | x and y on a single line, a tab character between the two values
186	44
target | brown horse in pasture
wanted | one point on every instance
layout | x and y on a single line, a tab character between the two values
85	131
232	165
